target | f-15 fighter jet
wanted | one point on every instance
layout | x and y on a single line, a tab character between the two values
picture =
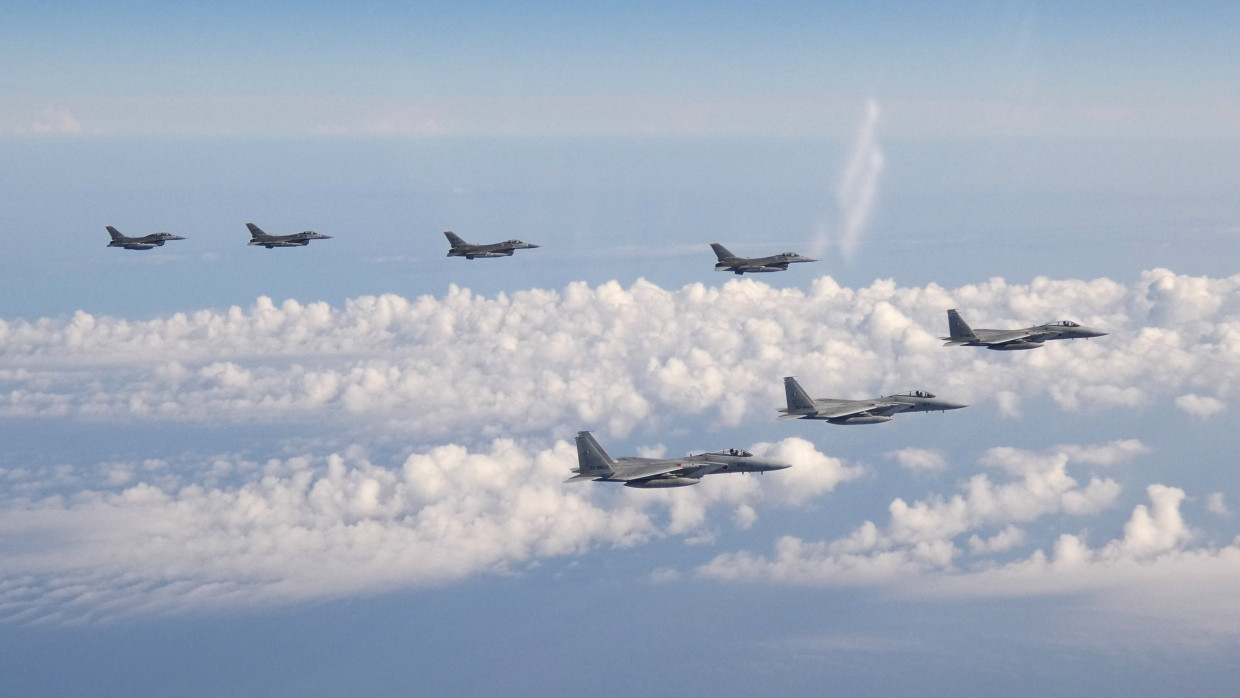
593	463
1011	340
874	411
740	265
145	242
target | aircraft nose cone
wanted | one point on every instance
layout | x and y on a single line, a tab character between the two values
532	247
954	405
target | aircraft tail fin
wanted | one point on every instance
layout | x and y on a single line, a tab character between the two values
798	400
721	252
116	234
958	328
255	231
454	239
592	460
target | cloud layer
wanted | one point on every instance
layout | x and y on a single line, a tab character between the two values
921	537
619	358
1156	568
233	532
166	534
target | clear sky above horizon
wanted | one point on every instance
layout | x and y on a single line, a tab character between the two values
228	470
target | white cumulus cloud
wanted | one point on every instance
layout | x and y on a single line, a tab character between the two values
919	538
147	537
1199	406
919	459
621	358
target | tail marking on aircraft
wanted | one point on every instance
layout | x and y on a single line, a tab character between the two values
798	400
958	328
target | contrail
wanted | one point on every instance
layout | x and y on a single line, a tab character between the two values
858	188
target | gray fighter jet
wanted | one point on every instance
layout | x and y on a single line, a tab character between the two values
258	237
740	265
593	463
460	248
879	409
145	242
1012	340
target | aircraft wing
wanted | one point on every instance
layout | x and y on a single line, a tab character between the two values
846	408
642	468
1042	336
677	470
886	409
999	337
703	469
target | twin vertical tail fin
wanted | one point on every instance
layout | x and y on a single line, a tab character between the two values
255	231
116	234
454	239
592	461
958	328
799	402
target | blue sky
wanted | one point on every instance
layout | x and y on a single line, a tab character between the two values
228	470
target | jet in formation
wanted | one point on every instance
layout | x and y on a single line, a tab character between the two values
593	463
1011	340
145	242
258	237
460	248
874	411
740	265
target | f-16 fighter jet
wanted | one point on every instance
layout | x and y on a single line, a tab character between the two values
258	237
740	265
593	463
145	242
460	248
879	409
1011	340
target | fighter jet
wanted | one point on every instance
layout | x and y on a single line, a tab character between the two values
740	265
145	242
593	463
1011	340
460	248
258	237
879	409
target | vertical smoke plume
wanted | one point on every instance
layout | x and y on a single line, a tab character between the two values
858	188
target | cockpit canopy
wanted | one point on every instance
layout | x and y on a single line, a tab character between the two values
741	453
514	242
919	393
1065	323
